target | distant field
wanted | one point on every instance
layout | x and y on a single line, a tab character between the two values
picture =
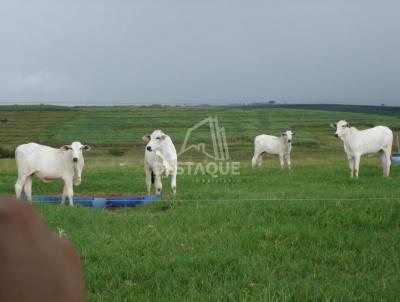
266	234
125	126
382	110
21	126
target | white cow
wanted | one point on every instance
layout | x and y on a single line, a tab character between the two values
49	164
273	145
160	159
362	142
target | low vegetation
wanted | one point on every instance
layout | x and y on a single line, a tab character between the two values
4	153
116	152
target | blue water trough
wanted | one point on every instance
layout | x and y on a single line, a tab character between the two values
100	202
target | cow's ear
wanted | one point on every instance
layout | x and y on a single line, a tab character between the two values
293	133
146	138
333	125
66	147
87	147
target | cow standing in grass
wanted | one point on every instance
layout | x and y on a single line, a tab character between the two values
160	159
273	145
361	142
49	164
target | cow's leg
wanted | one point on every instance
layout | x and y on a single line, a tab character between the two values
70	191
173	183
28	188
386	162
148	180
64	194
289	163
281	160
357	165
19	185
256	161
259	160
382	156
351	165
158	184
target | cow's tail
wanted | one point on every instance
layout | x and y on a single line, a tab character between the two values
152	177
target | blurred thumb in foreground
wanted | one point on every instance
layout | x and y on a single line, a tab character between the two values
35	264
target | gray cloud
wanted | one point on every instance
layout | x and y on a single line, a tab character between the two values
199	51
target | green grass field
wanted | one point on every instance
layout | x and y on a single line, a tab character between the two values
307	234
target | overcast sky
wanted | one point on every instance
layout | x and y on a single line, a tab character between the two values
205	51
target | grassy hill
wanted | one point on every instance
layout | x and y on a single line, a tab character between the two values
125	126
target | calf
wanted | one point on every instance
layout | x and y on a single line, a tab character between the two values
160	159
49	164
361	142
273	145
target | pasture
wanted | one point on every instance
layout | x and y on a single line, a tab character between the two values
267	234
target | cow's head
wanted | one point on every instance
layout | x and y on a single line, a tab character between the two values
156	141
288	135
76	150
340	127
